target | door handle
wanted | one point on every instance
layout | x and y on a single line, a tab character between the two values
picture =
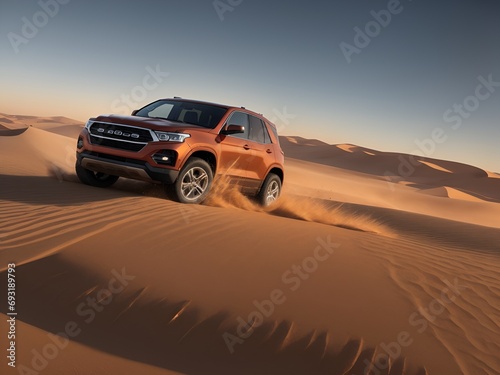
246	147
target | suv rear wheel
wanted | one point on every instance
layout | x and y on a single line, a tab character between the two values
92	178
193	183
270	191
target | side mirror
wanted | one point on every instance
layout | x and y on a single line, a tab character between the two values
233	129
134	112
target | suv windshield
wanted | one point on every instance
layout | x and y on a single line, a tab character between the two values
205	115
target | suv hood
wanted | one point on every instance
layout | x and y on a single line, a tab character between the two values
149	123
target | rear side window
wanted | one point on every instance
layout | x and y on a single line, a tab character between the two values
240	118
258	132
273	129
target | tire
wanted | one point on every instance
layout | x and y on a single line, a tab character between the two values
92	178
270	190
193	183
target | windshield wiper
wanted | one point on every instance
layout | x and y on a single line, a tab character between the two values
161	118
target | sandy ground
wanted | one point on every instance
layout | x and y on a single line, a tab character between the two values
360	269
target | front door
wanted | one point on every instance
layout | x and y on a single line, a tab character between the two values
235	153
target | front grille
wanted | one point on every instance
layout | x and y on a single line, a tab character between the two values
117	158
119	136
117	144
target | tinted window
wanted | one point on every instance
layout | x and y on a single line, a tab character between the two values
266	135
273	129
239	118
162	110
190	116
258	132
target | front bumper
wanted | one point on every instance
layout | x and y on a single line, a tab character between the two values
134	169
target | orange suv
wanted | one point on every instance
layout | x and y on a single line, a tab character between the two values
184	144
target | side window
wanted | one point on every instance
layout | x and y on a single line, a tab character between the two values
258	132
240	118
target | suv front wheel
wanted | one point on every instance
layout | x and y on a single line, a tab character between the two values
193	183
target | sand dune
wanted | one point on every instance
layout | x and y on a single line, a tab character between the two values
435	166
54	121
338	184
75	358
387	269
419	172
56	124
7	132
448	192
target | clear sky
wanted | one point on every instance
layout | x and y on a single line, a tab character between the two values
380	74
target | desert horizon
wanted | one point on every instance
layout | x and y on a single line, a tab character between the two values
72	125
358	269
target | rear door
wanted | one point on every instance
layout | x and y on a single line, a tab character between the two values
261	150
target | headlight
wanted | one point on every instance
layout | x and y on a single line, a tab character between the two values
171	137
87	125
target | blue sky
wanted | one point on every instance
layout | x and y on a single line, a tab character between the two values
283	59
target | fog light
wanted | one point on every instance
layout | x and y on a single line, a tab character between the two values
165	157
